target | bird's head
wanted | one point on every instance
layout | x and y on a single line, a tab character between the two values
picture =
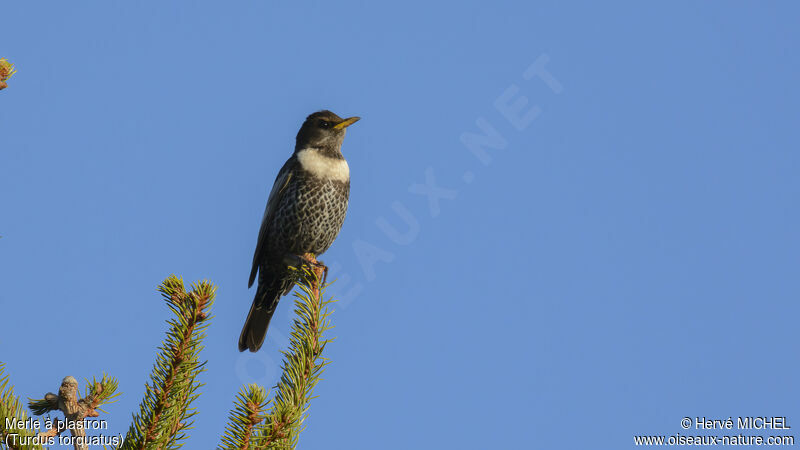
324	130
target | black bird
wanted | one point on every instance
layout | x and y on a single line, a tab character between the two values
304	214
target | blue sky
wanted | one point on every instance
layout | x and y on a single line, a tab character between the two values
627	257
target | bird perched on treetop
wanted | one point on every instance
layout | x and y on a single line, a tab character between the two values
304	214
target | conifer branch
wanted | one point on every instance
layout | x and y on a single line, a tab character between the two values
14	437
99	393
302	365
244	418
75	409
6	70
166	409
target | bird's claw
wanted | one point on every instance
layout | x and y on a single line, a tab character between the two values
310	261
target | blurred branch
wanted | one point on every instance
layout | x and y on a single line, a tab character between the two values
18	435
6	70
75	409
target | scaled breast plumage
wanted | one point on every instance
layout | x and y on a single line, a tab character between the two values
313	206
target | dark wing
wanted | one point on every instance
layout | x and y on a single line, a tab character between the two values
281	181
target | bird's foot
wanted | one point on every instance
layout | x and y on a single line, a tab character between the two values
316	265
309	260
319	268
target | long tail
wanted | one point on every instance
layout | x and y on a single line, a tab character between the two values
257	322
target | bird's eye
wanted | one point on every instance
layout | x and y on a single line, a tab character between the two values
324	124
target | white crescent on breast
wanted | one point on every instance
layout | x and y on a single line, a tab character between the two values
324	166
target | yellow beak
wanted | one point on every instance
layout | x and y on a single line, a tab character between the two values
347	122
